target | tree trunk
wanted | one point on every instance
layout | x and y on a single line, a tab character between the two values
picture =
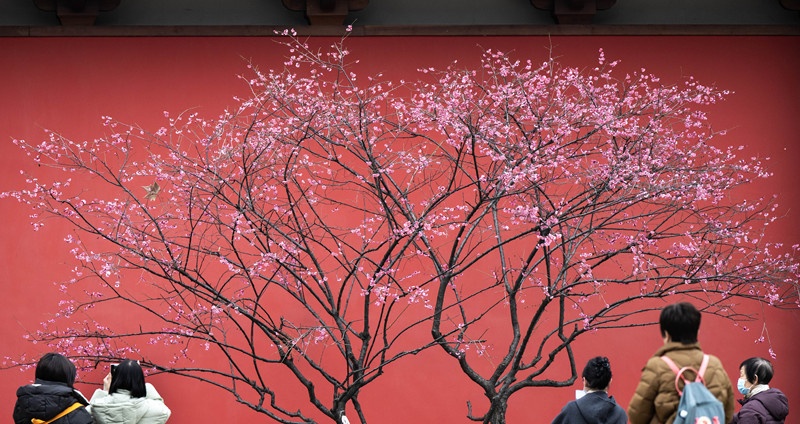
497	412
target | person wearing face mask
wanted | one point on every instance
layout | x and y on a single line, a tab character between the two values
761	404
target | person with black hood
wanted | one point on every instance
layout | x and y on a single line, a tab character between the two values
51	398
595	406
761	404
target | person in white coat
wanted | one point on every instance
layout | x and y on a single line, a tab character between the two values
126	399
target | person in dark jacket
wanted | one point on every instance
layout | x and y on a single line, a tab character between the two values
596	406
52	394
761	404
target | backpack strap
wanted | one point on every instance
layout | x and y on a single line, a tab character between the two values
671	364
702	371
679	372
71	408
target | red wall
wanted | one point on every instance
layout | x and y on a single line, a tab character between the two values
66	84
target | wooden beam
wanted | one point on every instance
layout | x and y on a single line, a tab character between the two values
77	12
573	12
326	12
397	30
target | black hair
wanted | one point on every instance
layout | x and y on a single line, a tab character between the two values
57	368
597	373
128	376
681	321
757	368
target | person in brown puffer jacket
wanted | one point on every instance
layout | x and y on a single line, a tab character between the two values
656	399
